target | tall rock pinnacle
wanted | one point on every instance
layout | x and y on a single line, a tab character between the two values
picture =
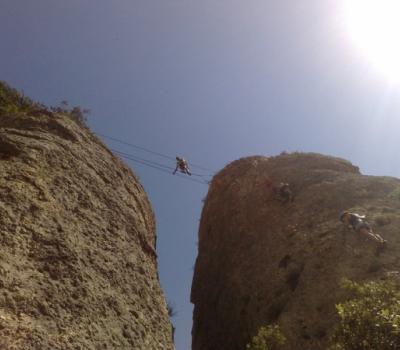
78	265
261	261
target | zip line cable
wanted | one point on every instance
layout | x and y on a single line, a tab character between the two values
155	165
160	167
142	159
204	177
163	170
150	151
135	146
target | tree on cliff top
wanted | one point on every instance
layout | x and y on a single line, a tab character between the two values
12	102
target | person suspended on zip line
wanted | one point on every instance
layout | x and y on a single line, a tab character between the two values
182	166
362	227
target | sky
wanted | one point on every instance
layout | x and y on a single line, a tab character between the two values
212	81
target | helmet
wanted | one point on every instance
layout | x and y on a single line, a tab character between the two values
342	214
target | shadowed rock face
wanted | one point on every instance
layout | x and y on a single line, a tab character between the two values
261	261
78	266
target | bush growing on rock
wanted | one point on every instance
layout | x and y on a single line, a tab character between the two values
268	338
12	102
370	319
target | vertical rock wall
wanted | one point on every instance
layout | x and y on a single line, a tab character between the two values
78	265
262	262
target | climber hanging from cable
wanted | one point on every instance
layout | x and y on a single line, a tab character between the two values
359	225
182	165
140	148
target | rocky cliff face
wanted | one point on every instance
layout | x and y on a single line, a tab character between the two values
261	261
78	265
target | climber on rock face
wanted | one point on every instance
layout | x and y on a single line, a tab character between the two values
285	193
182	165
281	192
359	225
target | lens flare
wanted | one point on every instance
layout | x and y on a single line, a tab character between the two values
374	27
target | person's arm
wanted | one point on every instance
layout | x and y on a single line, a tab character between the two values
175	169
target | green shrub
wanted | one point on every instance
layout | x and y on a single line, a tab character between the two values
268	338
76	112
13	102
370	320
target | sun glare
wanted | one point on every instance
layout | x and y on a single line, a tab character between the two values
374	26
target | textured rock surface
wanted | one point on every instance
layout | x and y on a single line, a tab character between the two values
77	244
261	262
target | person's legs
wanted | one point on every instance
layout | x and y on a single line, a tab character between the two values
367	232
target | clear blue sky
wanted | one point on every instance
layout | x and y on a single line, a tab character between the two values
212	80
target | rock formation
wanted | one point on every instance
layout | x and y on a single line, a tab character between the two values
261	261
78	264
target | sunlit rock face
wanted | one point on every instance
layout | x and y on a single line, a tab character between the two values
261	261
78	265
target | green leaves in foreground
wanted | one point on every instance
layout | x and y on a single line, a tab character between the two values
370	320
267	338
